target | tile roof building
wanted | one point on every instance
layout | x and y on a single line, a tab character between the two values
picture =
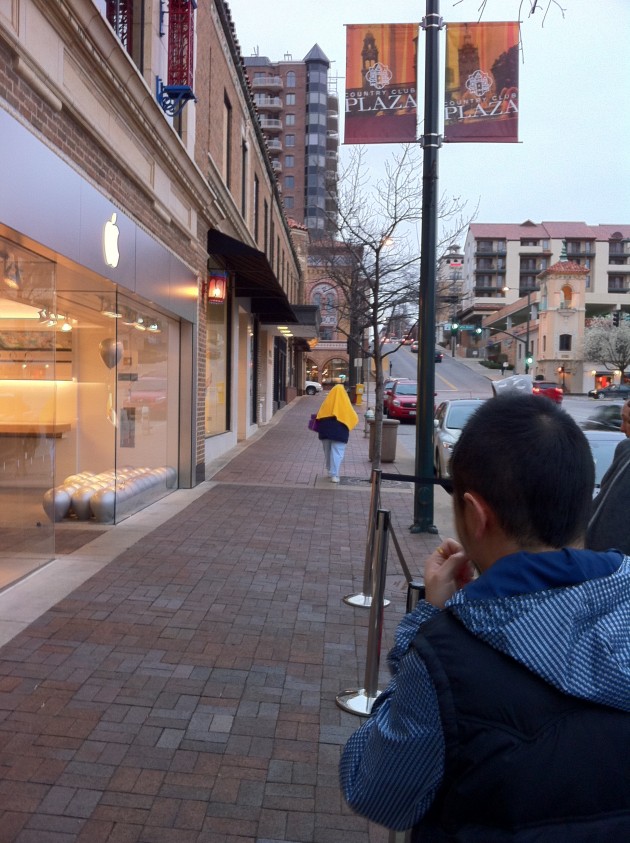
513	273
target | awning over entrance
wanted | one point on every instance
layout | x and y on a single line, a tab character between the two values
306	332
255	279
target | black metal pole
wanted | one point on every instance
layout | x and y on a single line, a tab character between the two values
529	307
423	494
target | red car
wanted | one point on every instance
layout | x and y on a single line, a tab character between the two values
387	388
401	401
553	391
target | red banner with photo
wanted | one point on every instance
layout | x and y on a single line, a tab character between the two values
381	83
481	89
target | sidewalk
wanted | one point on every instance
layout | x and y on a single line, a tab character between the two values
175	679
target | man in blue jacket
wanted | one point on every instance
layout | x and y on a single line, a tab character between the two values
609	525
507	718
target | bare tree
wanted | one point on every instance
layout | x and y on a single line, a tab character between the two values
608	344
375	258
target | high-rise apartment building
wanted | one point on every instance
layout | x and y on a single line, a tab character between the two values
299	114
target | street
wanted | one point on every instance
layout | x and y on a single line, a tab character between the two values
457	379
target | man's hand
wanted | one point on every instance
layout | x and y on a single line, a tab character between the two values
446	571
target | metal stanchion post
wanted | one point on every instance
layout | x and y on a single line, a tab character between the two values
415	593
364	598
399	836
361	701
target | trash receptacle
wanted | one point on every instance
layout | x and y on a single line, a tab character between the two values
388	444
359	393
352	394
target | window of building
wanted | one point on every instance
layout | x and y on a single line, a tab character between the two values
227	140
565	342
616	283
289	140
127	19
289	202
290	79
290	99
289	161
289	120
265	225
256	205
334	370
289	182
216	387
244	177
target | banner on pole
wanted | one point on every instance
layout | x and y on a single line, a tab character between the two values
381	83
481	89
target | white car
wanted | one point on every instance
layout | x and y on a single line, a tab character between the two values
311	387
450	418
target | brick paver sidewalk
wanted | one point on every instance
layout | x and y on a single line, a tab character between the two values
186	692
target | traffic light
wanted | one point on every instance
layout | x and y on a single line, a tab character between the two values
454	327
478	331
616	315
528	362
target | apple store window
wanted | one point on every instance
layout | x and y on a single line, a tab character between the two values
33	409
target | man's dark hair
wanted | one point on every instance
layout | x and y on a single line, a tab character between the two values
532	464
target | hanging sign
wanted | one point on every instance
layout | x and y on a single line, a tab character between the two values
481	87
381	86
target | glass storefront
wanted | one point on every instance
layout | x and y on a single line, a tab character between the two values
217	346
35	411
89	403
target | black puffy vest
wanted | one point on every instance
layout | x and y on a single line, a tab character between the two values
524	762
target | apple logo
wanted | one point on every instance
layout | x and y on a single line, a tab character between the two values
110	242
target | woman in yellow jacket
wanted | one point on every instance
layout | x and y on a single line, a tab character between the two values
336	418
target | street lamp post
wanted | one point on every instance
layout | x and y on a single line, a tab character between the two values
526	340
529	316
431	141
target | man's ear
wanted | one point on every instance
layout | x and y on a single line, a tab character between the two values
477	514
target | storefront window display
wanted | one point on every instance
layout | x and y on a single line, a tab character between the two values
34	410
217	344
89	403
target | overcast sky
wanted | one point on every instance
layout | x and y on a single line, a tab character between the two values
573	159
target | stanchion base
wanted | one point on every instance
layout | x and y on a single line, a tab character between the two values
363	601
356	702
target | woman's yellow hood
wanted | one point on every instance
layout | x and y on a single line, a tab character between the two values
338	404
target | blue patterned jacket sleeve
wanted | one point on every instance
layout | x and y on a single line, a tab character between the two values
393	765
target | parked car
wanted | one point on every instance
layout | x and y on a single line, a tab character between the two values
401	401
449	421
438	356
550	390
603	444
606	417
620	391
311	387
414	346
387	388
